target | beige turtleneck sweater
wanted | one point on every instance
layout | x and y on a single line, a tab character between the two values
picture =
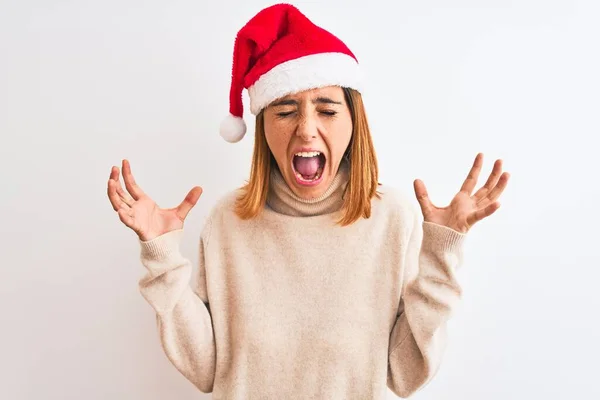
290	305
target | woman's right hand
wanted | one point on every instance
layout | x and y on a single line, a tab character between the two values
140	213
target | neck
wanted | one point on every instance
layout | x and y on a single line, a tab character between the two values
283	200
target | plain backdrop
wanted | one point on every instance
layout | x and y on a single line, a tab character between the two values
84	84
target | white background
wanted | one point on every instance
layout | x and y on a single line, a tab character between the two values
84	84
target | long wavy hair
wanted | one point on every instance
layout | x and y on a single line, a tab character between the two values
363	178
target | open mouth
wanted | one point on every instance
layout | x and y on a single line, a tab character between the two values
308	166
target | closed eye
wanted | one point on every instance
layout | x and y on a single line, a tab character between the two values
285	114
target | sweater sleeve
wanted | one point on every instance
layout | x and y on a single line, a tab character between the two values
182	314
431	292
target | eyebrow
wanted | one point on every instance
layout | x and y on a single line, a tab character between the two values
320	100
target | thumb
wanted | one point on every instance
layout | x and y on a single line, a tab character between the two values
189	202
422	196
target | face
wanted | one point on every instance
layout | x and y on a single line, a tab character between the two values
308	133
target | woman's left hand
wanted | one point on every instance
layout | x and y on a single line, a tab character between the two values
466	209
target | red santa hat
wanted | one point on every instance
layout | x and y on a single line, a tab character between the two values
280	52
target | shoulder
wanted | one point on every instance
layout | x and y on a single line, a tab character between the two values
224	205
399	209
221	211
396	201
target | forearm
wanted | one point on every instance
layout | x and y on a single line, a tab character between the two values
183	319
418	338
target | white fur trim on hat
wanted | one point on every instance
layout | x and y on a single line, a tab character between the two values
232	128
308	72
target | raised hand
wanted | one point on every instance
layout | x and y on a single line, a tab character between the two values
466	209
139	212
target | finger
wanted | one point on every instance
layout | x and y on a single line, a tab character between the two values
471	180
126	217
114	173
491	182
111	192
125	197
190	201
130	184
499	188
422	197
115	199
482	213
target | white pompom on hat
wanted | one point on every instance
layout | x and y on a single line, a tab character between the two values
232	128
281	52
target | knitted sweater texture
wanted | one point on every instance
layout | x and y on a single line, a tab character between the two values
290	305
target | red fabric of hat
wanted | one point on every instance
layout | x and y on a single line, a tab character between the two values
280	52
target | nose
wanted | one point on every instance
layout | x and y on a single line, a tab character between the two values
307	128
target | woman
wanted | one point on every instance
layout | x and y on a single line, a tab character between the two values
314	280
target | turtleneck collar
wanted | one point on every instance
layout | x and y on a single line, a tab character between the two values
281	199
